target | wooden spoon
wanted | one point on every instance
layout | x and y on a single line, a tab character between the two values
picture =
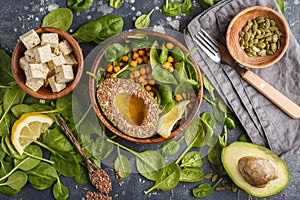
98	177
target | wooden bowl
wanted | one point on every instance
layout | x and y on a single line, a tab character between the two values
156	138
46	92
237	24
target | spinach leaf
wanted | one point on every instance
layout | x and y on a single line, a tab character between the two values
208	86
191	70
79	5
210	121
166	94
16	180
2	154
192	159
6	167
115	3
42	176
163	54
194	135
168	178
154	57
6	123
170	147
171	9
191	175
5	68
88	32
60	191
30	162
82	176
177	54
204	189
8	147
186	86
60	18
21	109
244	138
281	5
180	71
122	165
56	139
162	75
110	25
187	7
114	51
214	157
143	21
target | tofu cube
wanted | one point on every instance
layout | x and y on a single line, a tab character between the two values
65	47
23	63
64	73
30	56
43	54
36	71
35	84
30	39
56	87
56	61
70	59
50	38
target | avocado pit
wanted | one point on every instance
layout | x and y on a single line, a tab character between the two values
257	171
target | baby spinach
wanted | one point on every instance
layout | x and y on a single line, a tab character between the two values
115	3
114	52
281	5
180	71
162	75
187	7
186	86
56	140
143	21
88	32
163	54
204	189
110	25
177	54
214	157
82	176
170	147
148	163
244	138
14	183
21	109
122	165
154	56
60	191
168	178
60	18
5	69
192	159
30	162
171	9
6	123
79	5
194	135
166	94
191	175
42	176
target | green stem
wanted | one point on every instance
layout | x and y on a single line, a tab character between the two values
122	70
150	189
3	115
45	146
187	149
150	12
217	183
38	158
13	170
92	75
123	147
6	86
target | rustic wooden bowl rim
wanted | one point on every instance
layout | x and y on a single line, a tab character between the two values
235	27
46	93
92	90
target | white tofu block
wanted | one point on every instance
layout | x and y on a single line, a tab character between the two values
70	59
36	71
50	38
30	39
64	73
35	84
56	61
56	87
43	54
46	69
23	63
30	56
65	47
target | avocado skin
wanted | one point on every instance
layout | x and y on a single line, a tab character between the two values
236	150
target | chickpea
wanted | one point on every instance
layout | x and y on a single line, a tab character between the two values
120	64
133	63
148	70
139	60
171	69
166	65
149	76
151	93
125	58
170	59
143	71
117	69
169	45
151	82
135	56
109	68
136	73
134	50
113	75
145	59
142	52
141	80
178	97
107	75
131	75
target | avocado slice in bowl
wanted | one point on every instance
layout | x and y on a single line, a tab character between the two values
255	169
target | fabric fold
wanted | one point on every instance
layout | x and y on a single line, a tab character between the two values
265	124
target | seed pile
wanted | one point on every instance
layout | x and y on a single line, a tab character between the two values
260	37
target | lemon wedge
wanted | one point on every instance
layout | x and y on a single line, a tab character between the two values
168	120
28	128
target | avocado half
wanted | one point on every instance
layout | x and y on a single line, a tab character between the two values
237	150
129	107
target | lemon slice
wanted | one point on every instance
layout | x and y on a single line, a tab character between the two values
167	121
28	128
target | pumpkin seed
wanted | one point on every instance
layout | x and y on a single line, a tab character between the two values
214	178
220	188
208	176
234	188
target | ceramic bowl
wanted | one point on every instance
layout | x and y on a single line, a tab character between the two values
46	92
93	88
237	24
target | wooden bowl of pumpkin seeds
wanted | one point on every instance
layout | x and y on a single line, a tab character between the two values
257	37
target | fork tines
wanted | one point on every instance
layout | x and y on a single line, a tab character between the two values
208	45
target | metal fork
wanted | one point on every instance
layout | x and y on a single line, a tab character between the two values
219	53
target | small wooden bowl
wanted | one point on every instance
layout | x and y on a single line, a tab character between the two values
46	92
237	24
156	138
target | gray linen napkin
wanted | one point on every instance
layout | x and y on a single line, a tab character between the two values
265	124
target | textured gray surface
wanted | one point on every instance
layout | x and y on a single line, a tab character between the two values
18	17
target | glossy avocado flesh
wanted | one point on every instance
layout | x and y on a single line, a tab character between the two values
129	107
237	150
